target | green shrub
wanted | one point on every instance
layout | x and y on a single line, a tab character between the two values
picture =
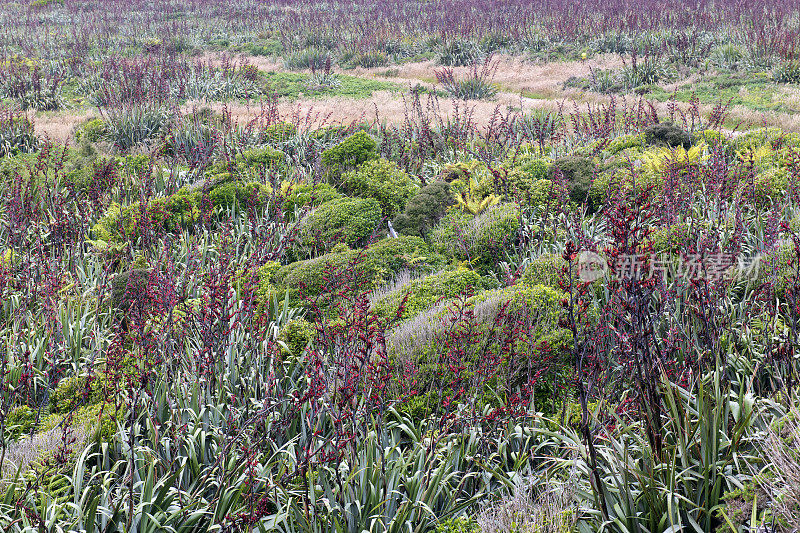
278	133
348	220
309	194
372	267
579	172
458	525
232	193
420	341
296	335
261	160
73	391
423	293
382	180
787	72
671	239
480	239
424	210
20	421
349	154
253	164
129	288
92	131
667	134
180	210
624	142
544	270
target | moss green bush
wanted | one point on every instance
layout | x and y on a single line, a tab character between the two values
309	194
671	239
347	220
538	305
424	210
579	172
382	180
71	392
296	336
480	239
130	288
667	134
359	148
20	421
423	293
625	142
371	268
544	270
180	210
91	131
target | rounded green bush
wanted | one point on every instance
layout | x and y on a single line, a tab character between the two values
544	270
347	220
309	194
368	268
20	420
579	172
129	288
296	335
359	148
667	134
479	239
424	210
423	293
382	180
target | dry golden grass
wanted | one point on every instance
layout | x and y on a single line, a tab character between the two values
524	84
59	127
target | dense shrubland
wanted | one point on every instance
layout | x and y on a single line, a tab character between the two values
231	340
288	324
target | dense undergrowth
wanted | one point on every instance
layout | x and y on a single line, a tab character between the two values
231	336
585	318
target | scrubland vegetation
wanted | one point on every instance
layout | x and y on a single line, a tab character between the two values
400	266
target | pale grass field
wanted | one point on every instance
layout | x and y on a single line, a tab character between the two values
524	85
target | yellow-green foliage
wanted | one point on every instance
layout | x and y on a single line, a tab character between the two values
479	239
767	186
278	133
349	154
174	212
252	165
92	130
382	180
73	391
20	420
544	270
425	292
539	306
458	525
656	161
710	137
348	220
671	239
526	179
371	267
97	419
296	335
308	194
626	142
756	138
